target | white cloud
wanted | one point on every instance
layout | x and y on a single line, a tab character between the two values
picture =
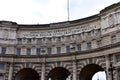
49	11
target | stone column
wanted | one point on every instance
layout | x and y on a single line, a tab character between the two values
108	76
74	71
10	71
43	72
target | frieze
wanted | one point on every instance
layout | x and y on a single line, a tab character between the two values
58	32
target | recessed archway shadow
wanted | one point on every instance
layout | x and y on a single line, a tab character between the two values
88	71
58	73
27	74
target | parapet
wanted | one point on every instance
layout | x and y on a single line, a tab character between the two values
8	24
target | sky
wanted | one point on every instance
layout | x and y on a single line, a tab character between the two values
99	76
49	11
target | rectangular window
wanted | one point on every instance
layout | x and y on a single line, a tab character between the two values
58	50
59	39
19	40
49	39
28	51
67	49
49	50
29	41
2	66
18	51
68	37
38	50
3	51
118	58
113	39
99	43
79	47
89	46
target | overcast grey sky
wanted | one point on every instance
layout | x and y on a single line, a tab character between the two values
49	11
99	76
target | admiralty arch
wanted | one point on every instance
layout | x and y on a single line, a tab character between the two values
55	51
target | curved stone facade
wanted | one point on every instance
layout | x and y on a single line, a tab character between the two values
76	48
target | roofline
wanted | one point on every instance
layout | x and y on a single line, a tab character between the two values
64	23
60	24
110	7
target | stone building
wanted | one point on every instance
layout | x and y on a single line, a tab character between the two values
56	51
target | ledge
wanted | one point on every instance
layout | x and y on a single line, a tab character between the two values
59	24
64	54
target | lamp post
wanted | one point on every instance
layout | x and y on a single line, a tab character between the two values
111	69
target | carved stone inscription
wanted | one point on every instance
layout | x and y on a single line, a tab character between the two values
58	32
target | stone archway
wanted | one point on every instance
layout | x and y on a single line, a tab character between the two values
88	71
27	74
58	73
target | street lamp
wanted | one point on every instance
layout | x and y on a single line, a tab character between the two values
111	69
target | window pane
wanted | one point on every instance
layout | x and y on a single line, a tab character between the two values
79	47
99	43
113	39
58	50
3	51
118	58
89	46
18	51
67	49
49	50
38	50
1	66
28	51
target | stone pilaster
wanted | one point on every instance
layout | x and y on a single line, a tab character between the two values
107	67
10	71
43	72
74	71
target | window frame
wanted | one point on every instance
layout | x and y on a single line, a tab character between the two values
49	50
38	51
79	47
28	51
58	50
18	51
89	45
67	49
3	50
113	39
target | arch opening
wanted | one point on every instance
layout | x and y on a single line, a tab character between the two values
58	73
27	74
101	75
89	71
